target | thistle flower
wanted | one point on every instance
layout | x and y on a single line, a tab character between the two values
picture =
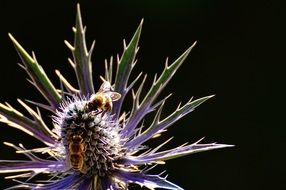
91	142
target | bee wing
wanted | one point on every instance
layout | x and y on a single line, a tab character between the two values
115	96
105	87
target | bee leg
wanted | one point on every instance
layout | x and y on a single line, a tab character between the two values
108	106
94	112
98	111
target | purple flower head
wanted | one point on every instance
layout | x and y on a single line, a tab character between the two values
91	142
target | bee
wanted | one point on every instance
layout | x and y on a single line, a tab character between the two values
102	100
76	153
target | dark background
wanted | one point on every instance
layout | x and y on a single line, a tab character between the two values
239	57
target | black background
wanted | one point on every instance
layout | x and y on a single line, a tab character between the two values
239	57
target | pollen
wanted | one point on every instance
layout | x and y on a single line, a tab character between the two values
91	139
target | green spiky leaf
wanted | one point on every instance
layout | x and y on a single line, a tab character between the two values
38	76
158	85
125	66
81	57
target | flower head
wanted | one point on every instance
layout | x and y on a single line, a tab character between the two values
91	142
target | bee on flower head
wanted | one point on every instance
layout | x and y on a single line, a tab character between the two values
76	153
102	100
